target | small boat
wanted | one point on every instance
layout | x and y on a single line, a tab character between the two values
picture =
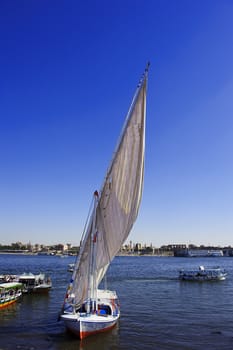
8	278
10	292
203	274
71	267
87	309
35	283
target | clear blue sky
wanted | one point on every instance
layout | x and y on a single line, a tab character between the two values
68	71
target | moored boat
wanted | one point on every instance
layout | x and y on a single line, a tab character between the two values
10	292
35	283
195	253
203	274
8	278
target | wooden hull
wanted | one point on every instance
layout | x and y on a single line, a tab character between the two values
7	303
84	326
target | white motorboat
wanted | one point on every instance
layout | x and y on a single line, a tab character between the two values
35	283
203	274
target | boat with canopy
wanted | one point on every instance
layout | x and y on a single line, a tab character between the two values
10	292
203	274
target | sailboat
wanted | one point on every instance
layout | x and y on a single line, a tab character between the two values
87	309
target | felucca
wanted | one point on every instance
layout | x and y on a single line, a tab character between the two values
87	309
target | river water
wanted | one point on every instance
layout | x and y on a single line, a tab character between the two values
157	310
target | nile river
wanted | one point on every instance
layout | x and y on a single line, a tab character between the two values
157	310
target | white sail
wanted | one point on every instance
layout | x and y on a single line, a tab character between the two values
118	202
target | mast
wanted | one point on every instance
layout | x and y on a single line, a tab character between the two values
92	283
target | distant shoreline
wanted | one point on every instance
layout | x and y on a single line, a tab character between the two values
118	255
63	255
